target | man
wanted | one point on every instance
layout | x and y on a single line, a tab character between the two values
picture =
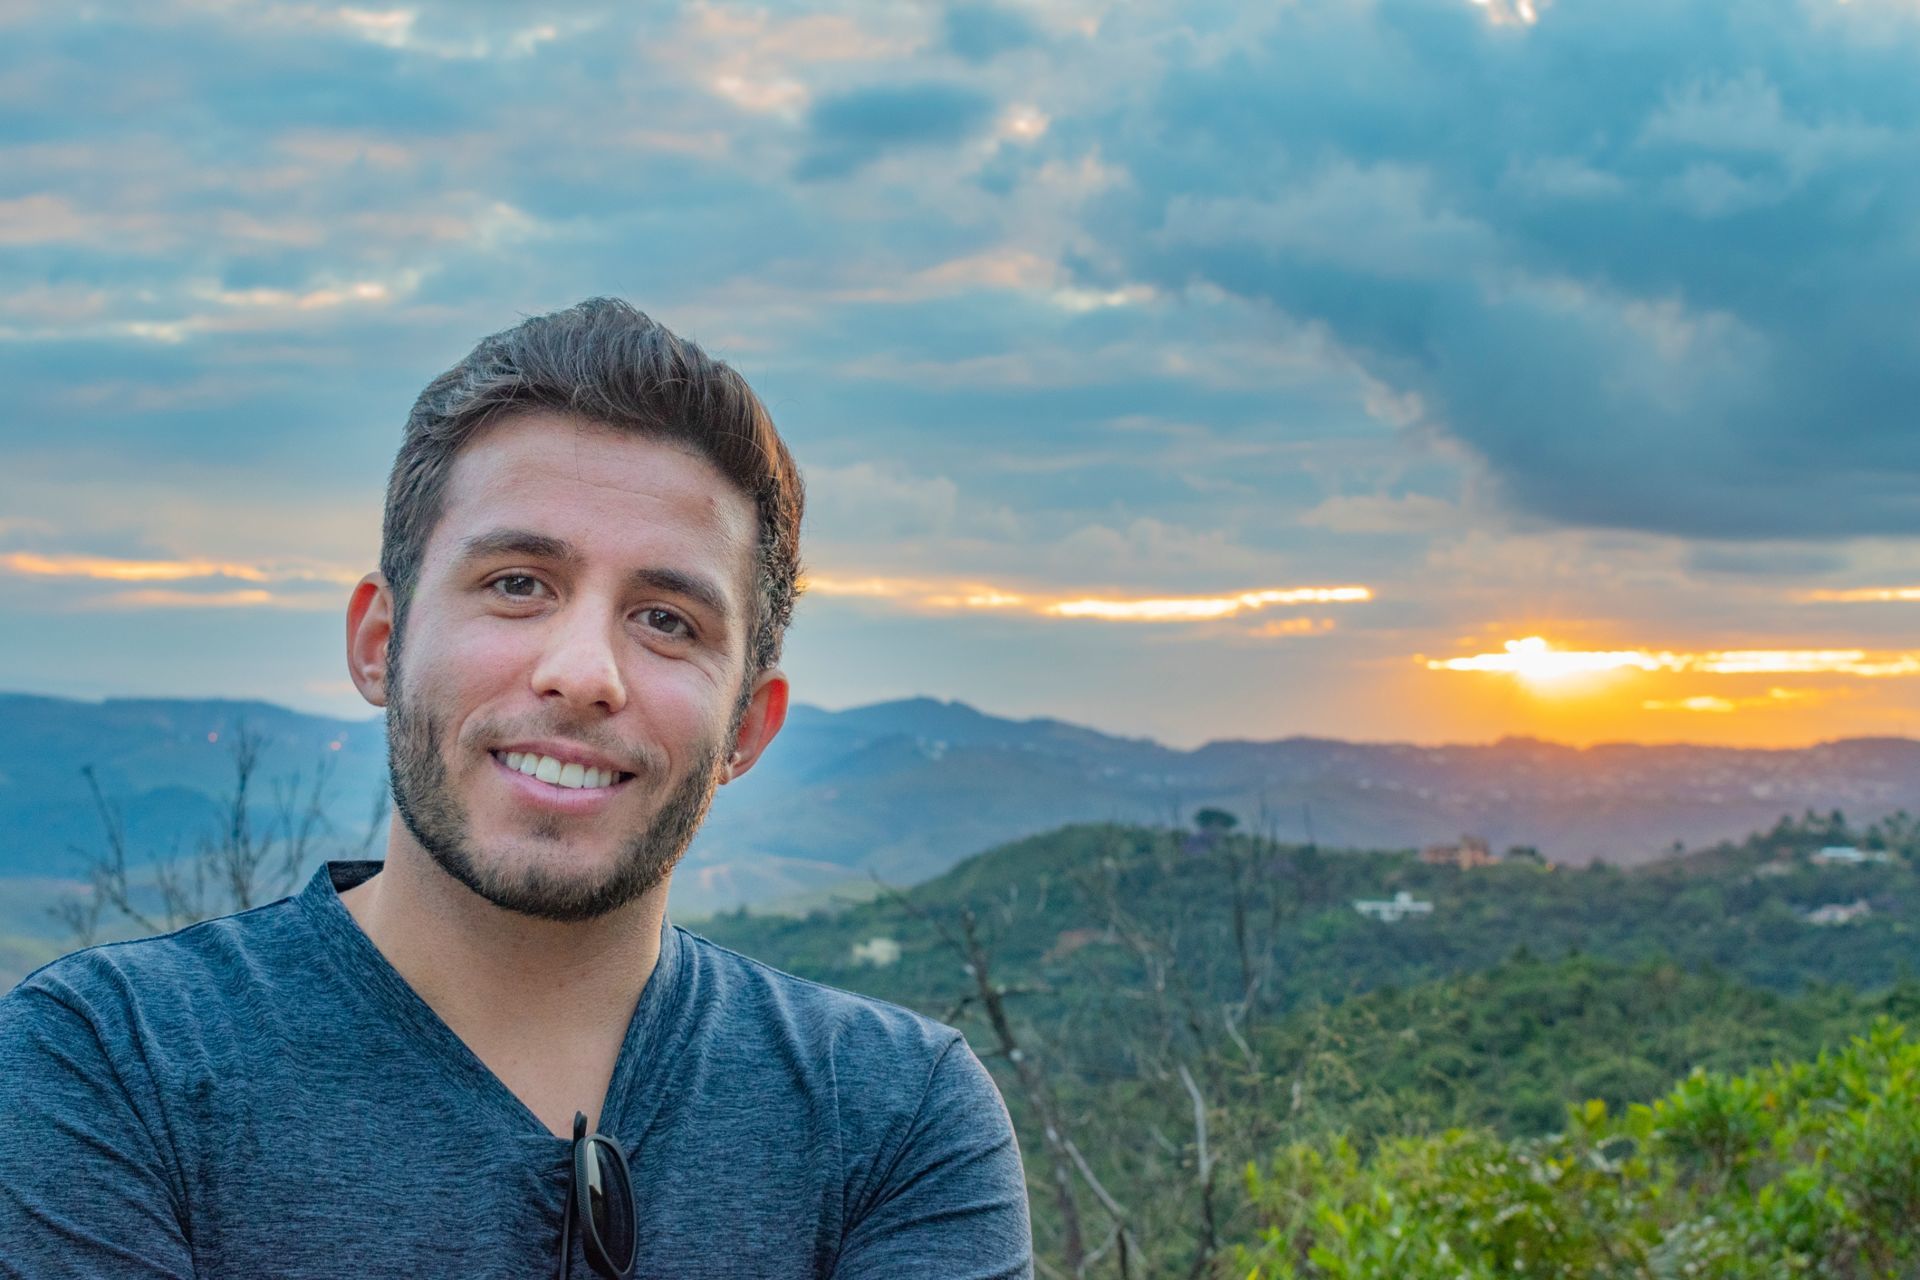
589	557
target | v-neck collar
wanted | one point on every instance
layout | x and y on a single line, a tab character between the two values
629	1106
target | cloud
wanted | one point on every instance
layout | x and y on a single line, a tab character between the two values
163	598
195	307
848	131
936	595
1384	513
1764	560
1714	704
877	504
1864	595
981	32
79	567
1659	299
43	218
33	564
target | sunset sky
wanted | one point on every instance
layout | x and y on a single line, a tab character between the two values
1423	370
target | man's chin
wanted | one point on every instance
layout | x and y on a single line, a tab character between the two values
545	890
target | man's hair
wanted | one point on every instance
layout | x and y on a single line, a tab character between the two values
603	362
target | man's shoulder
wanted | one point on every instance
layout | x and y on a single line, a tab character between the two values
182	967
754	998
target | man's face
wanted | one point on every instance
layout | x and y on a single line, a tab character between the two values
569	682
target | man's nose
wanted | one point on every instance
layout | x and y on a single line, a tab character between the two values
580	662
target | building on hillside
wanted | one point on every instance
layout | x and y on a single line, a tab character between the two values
1839	913
878	952
1846	855
1394	909
1776	867
1470	852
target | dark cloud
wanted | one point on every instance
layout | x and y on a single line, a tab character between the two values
849	131
1653	263
1760	561
982	32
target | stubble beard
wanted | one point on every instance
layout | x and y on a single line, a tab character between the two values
438	822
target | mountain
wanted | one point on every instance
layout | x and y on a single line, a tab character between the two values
903	790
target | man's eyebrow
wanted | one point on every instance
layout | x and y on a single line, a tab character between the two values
516	542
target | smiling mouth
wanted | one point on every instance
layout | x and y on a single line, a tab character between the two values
566	776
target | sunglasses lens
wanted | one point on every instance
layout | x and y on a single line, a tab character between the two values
610	1202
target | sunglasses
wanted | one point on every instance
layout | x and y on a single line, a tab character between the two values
600	1201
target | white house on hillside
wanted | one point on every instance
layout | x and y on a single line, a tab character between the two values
1846	854
879	952
1838	912
1398	907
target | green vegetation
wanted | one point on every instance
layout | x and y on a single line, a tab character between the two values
1164	1010
1808	1169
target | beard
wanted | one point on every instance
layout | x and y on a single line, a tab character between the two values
432	812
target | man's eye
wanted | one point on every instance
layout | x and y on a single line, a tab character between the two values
667	621
519	586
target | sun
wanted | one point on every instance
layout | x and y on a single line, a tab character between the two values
1542	666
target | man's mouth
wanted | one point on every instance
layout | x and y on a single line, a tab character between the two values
569	775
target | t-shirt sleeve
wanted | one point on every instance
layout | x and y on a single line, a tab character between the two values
84	1188
954	1201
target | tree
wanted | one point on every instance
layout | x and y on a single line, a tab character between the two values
255	856
1214	822
1037	1091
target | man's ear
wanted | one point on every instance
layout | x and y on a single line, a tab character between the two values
766	712
369	630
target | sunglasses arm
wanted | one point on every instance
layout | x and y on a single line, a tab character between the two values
564	1268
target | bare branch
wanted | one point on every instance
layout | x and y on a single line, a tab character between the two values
250	858
1203	1175
1034	1087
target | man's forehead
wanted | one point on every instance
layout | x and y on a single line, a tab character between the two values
557	449
589	484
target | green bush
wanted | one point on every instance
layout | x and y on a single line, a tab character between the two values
1805	1169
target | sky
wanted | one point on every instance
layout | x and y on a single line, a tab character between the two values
1414	370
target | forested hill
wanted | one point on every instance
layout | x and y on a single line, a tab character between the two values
1064	914
1165	1011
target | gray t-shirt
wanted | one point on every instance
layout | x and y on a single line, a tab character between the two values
264	1095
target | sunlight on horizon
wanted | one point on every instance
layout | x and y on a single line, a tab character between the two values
1536	661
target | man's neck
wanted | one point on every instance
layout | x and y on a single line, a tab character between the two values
545	1005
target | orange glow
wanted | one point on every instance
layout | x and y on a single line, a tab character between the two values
1533	659
99	567
930	596
1715	705
1704	702
162	598
107	569
1864	595
1294	627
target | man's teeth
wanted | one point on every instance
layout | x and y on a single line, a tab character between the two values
547	769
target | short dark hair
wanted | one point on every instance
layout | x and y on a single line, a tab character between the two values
604	362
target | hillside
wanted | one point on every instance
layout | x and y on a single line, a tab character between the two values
1146	979
1060	906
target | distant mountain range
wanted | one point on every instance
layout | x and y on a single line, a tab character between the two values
903	790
